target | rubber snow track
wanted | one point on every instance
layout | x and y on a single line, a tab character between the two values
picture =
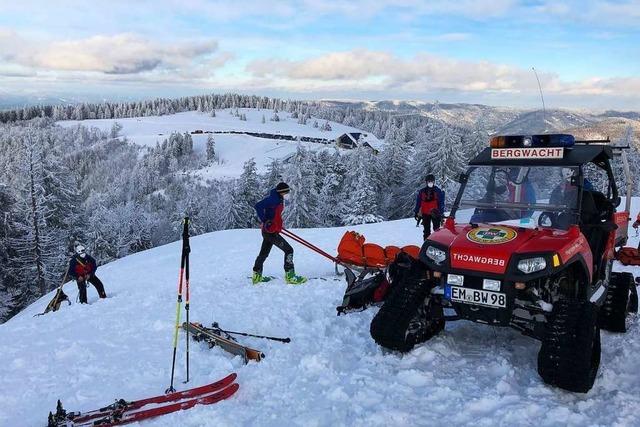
331	374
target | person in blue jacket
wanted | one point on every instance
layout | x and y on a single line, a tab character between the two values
82	268
269	211
429	206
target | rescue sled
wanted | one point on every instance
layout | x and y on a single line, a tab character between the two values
371	262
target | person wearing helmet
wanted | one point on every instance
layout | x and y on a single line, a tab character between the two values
269	211
429	206
82	268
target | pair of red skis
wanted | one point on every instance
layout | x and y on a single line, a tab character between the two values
124	412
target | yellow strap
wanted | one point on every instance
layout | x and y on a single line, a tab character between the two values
175	335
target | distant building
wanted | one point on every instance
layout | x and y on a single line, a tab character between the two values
353	140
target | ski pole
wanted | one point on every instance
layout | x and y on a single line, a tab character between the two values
187	250
284	340
178	304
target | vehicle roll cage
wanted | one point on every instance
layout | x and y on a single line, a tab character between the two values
599	157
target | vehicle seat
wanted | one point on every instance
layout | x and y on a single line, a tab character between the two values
596	222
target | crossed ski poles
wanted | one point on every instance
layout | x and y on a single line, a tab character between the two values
184	276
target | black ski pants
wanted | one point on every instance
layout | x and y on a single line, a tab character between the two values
82	288
270	240
427	221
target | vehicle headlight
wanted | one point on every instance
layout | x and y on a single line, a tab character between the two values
436	255
455	279
531	265
491	285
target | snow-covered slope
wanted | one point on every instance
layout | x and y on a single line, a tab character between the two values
331	374
233	149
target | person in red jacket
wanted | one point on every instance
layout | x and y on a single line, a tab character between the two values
269	211
429	206
82	268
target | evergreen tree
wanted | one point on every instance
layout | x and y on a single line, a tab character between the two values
211	149
301	207
245	195
361	206
39	258
394	162
273	176
7	233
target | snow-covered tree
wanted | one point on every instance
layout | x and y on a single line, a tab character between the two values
211	149
361	206
273	175
393	163
245	195
115	130
301	208
40	256
326	127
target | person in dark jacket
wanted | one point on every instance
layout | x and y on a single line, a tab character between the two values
269	211
82	268
429	206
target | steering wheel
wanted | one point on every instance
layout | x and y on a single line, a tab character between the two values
547	219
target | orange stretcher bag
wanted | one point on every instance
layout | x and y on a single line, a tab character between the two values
350	248
628	256
412	250
374	255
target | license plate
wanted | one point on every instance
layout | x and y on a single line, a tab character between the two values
477	297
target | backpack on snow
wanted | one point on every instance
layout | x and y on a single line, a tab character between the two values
54	304
628	256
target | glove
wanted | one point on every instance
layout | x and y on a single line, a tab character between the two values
417	217
636	224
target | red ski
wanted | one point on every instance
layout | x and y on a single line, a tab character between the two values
121	418
61	418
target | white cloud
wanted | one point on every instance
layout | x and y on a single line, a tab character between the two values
423	73
115	54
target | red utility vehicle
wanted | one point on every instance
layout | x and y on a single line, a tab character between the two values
529	244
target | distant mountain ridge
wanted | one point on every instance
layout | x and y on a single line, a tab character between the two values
506	120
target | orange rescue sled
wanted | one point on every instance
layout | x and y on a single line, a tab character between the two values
353	250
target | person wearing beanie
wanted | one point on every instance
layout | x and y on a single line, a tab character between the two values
429	206
82	268
269	211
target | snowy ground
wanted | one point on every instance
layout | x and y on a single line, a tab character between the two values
234	150
331	374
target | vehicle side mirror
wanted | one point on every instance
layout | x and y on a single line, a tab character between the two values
462	178
616	201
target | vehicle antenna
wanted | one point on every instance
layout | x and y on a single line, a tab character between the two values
544	110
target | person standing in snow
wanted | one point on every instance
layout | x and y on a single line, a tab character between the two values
82	268
269	211
429	206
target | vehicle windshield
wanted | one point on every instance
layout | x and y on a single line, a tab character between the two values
525	196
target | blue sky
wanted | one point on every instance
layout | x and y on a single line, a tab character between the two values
587	53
